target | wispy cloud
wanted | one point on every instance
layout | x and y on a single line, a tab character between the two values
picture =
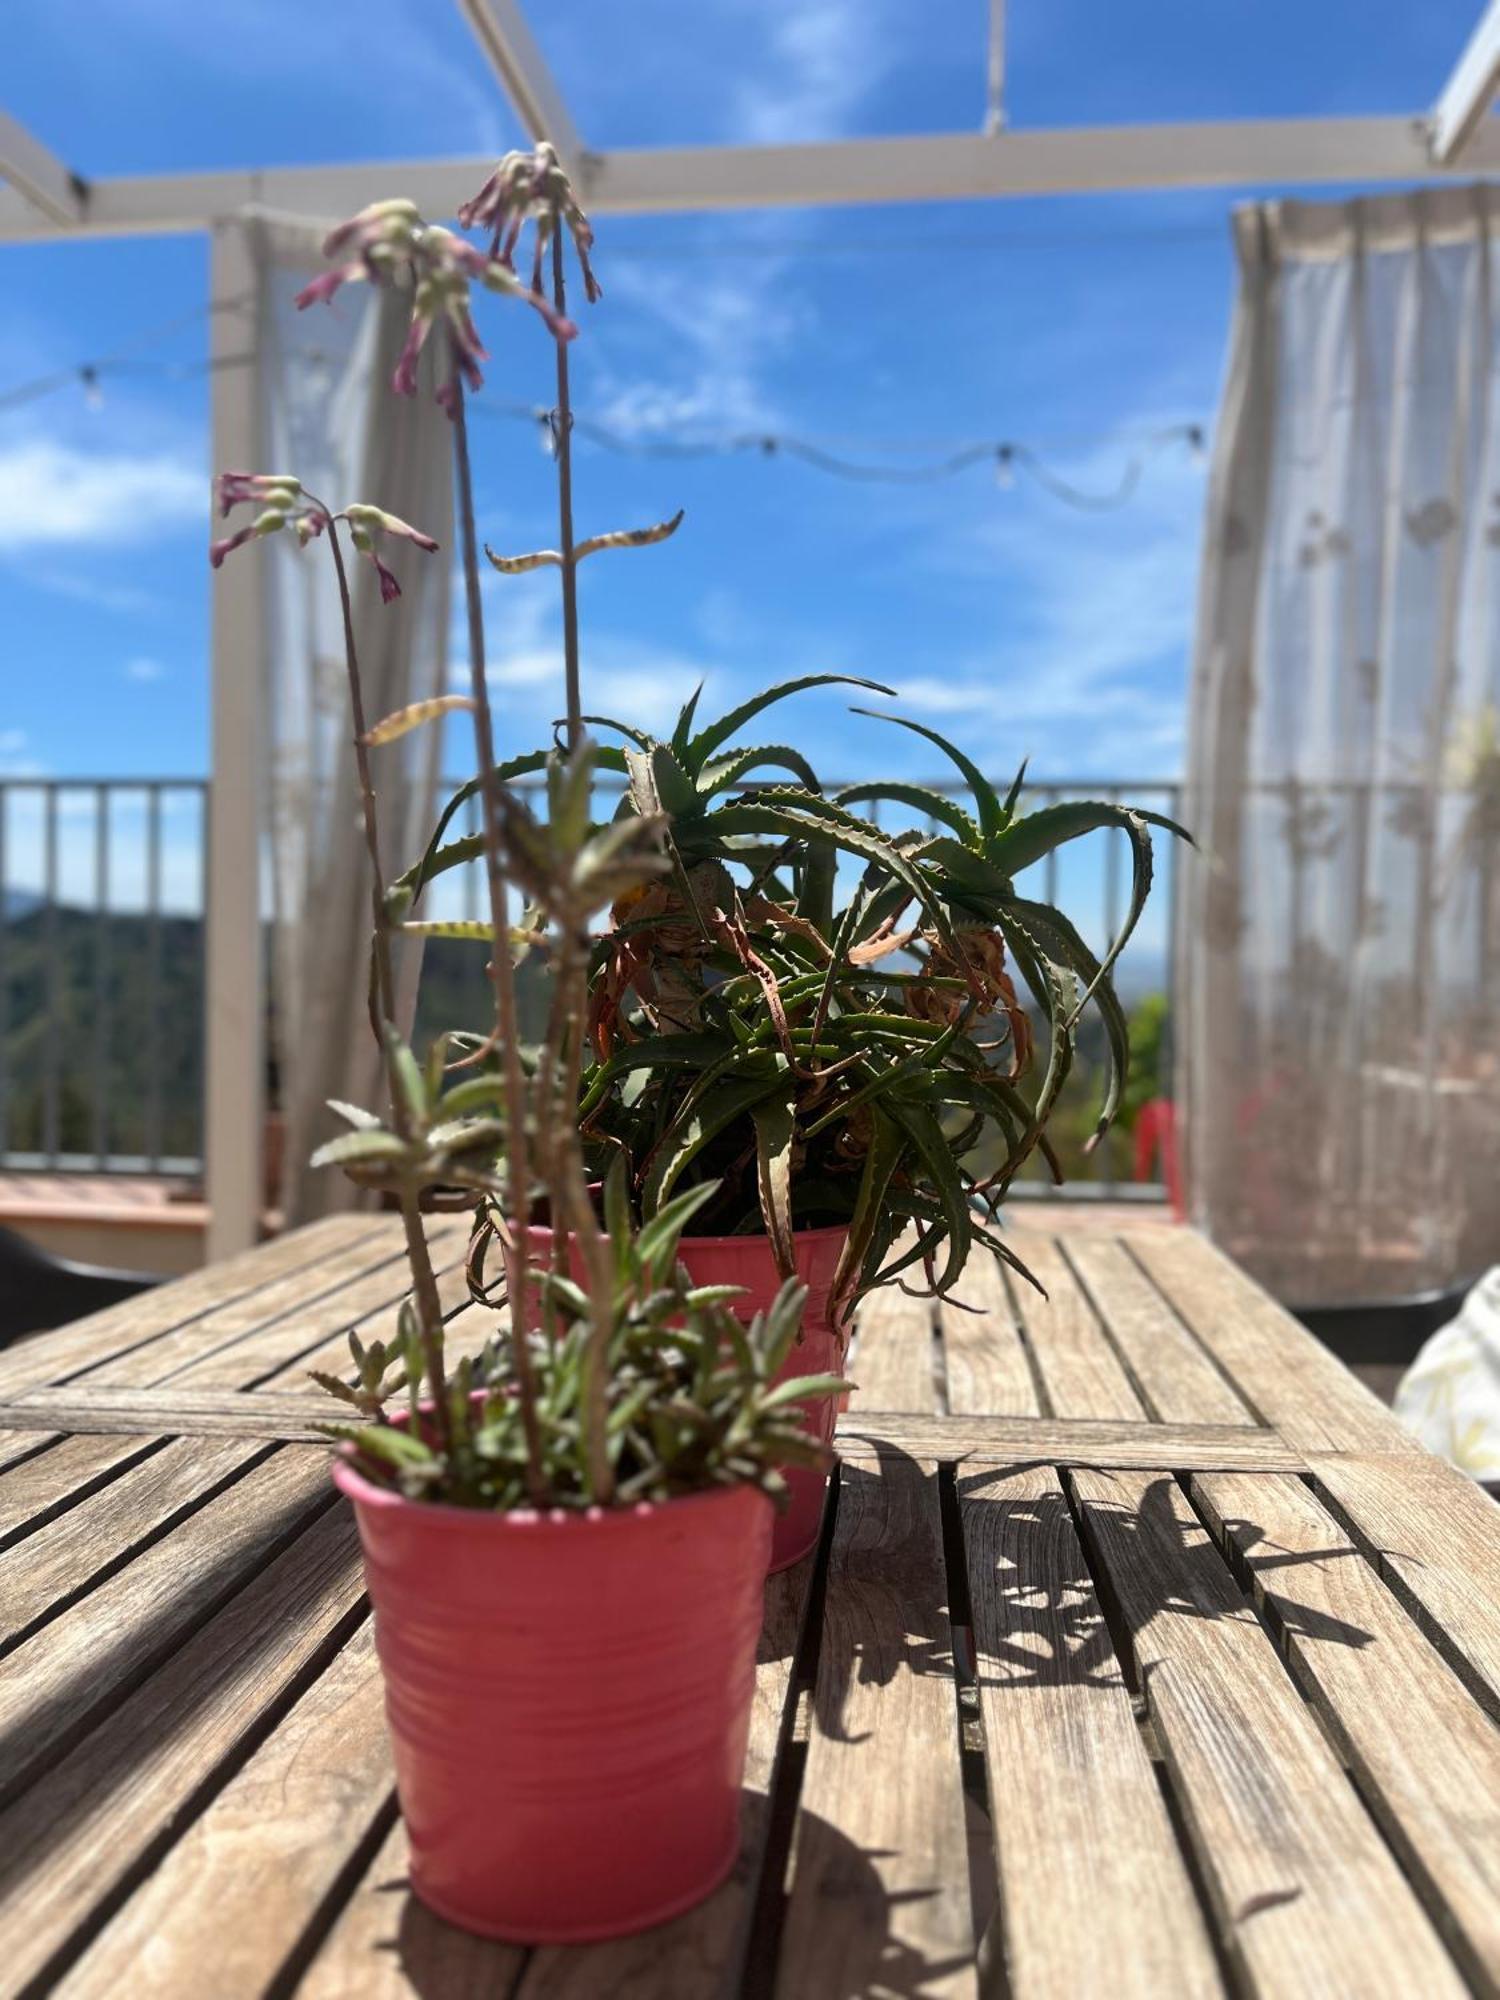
144	670
825	56
57	495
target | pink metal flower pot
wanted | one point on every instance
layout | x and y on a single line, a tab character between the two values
569	1702
747	1261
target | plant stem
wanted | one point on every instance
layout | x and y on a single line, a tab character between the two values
419	1257
517	1140
564	440
569	1185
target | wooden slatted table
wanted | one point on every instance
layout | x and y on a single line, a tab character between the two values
1144	1653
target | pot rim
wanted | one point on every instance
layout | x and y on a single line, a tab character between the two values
447	1518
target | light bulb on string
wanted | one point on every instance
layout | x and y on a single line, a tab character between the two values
1197	448
547	433
93	395
1005	467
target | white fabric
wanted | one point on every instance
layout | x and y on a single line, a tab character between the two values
331	419
1339	1035
1450	1396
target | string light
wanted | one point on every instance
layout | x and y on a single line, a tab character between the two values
853	461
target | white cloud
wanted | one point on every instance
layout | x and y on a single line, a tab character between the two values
825	57
144	669
56	495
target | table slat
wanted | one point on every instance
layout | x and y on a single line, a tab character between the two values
66	1554
1081	1373
230	1902
1307	1893
77	1667
1436	1537
107	1809
1018	1441
83	1343
72	1467
1179	1381
1286	1377
879	1894
1090	1872
984	1357
892	1362
1427	1756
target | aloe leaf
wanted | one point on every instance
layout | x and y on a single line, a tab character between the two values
638	737
708	740
694	1128
775	1124
842	829
659	1052
658	784
1061	942
986	799
661	1233
722	773
887	1144
931	1145
1013	795
682	734
935	805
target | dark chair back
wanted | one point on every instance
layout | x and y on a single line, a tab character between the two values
38	1290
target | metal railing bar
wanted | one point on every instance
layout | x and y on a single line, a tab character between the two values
52	1027
100	1107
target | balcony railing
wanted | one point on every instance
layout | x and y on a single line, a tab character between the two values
102	904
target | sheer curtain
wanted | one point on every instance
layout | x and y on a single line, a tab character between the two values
330	418
1339	1039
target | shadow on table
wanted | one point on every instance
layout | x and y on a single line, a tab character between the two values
1048	1618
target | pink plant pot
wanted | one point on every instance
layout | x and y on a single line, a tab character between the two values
747	1261
569	1699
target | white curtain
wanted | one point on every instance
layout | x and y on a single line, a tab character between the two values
1339	950
330	418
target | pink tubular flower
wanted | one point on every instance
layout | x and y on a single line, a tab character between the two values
390	237
532	187
366	524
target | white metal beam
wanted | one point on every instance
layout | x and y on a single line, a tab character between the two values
1468	93
234	971
502	31
952	167
38	176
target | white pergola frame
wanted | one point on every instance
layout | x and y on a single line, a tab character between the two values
45	201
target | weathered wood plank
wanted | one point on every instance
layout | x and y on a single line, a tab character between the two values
1306	1892
879	1897
110	1806
29	1493
169	1412
1436	1538
388	1946
369	1302
67	1553
24	1444
1426	1756
78	1667
1090	1872
1022	1441
303	1308
332	1355
893	1360
984	1357
1286	1377
702	1952
1179	1381
1081	1373
230	1901
55	1357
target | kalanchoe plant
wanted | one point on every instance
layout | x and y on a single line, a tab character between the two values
618	1380
691	1399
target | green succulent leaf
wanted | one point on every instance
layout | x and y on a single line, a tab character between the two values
986	800
932	805
707	741
358	1149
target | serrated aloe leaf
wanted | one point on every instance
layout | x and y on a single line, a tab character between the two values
682	734
700	1122
775	1127
935	805
722	773
1062	943
986	799
887	1143
717	733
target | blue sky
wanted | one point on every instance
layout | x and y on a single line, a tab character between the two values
1079	327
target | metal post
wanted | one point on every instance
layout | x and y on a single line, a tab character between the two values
234	985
